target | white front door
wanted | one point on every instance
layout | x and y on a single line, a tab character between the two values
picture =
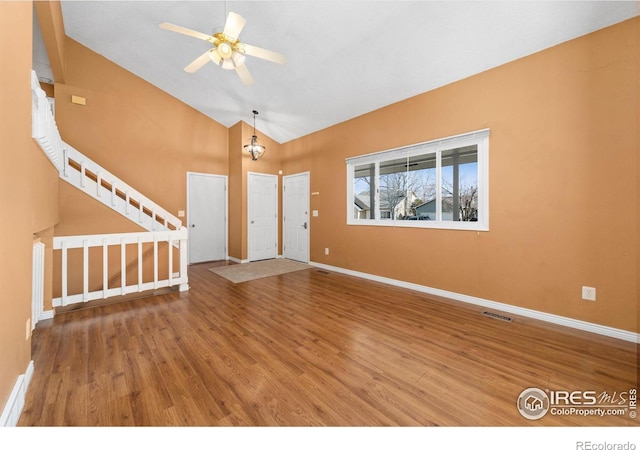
295	206
262	214
207	217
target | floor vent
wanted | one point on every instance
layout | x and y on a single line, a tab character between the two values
324	272
497	316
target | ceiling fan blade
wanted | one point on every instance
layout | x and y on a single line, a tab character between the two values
234	25
215	56
263	53
183	30
198	62
244	74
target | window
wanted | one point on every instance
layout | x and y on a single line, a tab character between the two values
435	184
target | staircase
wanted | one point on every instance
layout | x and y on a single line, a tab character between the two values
83	173
88	176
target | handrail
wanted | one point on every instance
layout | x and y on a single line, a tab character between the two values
85	242
43	124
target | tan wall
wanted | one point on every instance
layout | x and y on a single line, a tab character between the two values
563	183
136	131
237	182
27	197
44	181
49	14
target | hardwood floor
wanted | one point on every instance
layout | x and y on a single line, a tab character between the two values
309	348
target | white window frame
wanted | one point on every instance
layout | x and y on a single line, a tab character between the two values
480	138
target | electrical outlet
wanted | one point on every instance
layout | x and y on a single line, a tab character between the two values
589	293
28	329
326	251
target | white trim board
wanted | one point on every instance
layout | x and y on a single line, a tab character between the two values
245	261
237	260
531	313
15	403
48	314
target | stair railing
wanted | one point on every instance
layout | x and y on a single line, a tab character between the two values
121	242
162	227
88	176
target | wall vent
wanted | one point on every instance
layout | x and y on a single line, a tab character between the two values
497	316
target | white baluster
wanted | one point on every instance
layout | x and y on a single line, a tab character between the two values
170	248
139	264
82	174
155	262
184	286
64	273
123	266
85	270
105	269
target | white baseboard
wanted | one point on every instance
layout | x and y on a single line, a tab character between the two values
539	315
45	315
244	261
15	404
236	260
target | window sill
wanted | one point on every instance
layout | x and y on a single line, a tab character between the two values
425	224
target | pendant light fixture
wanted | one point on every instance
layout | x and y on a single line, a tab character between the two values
253	148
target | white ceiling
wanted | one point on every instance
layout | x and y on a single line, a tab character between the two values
344	58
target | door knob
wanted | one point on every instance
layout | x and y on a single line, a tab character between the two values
305	225
193	225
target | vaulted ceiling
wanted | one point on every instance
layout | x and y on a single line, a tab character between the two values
344	58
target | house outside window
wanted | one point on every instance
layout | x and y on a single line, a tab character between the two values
436	184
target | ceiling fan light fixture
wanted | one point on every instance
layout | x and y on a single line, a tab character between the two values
225	50
236	60
254	149
226	64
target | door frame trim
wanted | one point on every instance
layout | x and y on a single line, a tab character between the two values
277	221
226	210
284	197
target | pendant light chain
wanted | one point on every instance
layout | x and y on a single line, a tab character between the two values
255	113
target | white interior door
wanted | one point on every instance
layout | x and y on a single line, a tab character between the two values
207	217
295	206
262	214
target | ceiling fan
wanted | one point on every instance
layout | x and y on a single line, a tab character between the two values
227	52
